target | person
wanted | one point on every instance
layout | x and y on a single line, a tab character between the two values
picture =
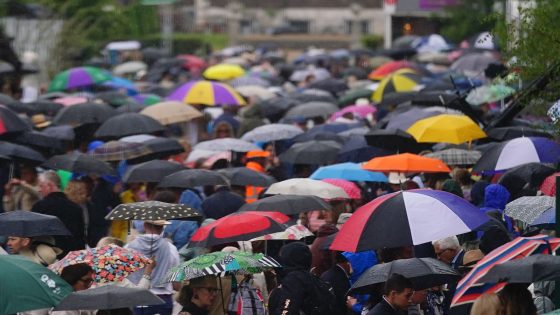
76	191
221	203
102	200
496	197
16	244
487	304
79	276
322	260
543	291
449	251
152	243
397	296
40	249
22	194
257	160
198	296
56	203
517	300
359	262
338	276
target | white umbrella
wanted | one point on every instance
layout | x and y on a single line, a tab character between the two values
255	91
226	144
272	132
129	67
307	187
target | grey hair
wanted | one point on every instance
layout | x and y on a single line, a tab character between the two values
448	243
52	177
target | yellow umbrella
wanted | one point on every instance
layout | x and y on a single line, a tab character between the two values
403	80
446	128
171	112
223	72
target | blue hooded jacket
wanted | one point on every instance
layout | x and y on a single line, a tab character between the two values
360	262
496	197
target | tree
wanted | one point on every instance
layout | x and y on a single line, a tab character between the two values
468	18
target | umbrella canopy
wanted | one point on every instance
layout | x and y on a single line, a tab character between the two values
456	156
312	109
110	263
318	73
129	67
239	226
287	204
40	141
10	122
546	218
20	152
548	186
128	124
272	132
26	285
206	93
255	91
348	171
242	176
406	218
334	86
152	171
79	163
394	140
512	132
399	81
529	208
171	112
351	189
361	111
223	72
226	144
85	113
160	147
529	175
406	163
192	178
446	128
351	96
118	151
422	272
152	210
530	269
306	186
356	149
472	65
311	152
294	232
274	108
249	80
516	152
108	297
192	62
147	98
489	94
390	67
65	133
406	116
29	224
77	78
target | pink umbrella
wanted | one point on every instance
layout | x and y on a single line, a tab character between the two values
70	100
351	189
548	186
357	110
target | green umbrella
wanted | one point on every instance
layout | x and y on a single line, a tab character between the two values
78	78
26	285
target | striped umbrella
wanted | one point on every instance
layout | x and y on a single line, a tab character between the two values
10	121
468	290
79	77
206	93
400	81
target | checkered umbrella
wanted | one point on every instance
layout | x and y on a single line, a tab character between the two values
456	156
118	151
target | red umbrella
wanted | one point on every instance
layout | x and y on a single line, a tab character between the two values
390	67
239	226
193	62
548	186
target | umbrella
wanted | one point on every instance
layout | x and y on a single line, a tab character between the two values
108	297
192	62
219	263
548	186
255	91
152	171
206	93
361	111
161	147
10	122
193	178
399	81
65	133
318	73
152	210
249	80
529	208
530	269
26	223
529	175
71	100
294	232
223	72
275	107
86	113
311	152
117	151
26	285
147	98
406	218
472	65
488	94
393	140
121	84
129	67
79	163
316	135
129	107
334	86
334	127
356	149
357	72
406	163
80	77
226	144
422	272
516	152
446	128
110	263
456	156
351	96
348	171
306	186
238	226
351	189
272	132
390	67
40	140
287	204
20	152
242	176
311	109
128	124
171	112
512	132
404	117
546	218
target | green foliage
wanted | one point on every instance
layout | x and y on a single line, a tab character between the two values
468	18
372	41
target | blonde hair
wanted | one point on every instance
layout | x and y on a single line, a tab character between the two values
487	304
76	191
109	240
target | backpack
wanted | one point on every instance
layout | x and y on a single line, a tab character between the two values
320	299
246	300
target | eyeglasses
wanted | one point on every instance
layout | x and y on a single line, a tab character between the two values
212	290
441	252
86	281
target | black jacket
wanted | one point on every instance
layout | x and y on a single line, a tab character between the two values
384	308
192	309
340	283
103	200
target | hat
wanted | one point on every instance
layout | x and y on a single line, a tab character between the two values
157	222
471	257
396	178
257	154
40	121
203	282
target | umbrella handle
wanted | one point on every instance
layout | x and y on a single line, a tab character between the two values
222	294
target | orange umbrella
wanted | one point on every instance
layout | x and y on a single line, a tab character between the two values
406	163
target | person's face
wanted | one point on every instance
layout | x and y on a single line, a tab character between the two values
206	296
84	282
445	255
419	297
16	244
28	175
401	300
223	131
45	187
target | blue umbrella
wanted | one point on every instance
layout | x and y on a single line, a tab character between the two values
348	171
121	83
547	217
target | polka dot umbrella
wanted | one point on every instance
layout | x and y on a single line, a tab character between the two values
152	210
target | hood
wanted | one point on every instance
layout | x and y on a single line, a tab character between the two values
295	255
149	242
360	262
229	119
326	230
477	193
495	196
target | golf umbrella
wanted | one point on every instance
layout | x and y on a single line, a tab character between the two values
292	233
226	144
422	272
312	109
548	186
223	72
516	152
394	140
206	93
118	151
456	156
242	176
127	125
406	218
108	297
469	288
530	269
151	171
399	81
77	78
20	152
79	163
10	122
351	189
86	113
529	208
348	171
29	224
406	163
287	204
110	263
512	132
26	285
152	210
192	178
272	132
529	175
446	128
311	152
171	112
306	186
239	226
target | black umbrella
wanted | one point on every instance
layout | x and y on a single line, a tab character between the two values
29	224
422	272
359	73
309	96
312	109
63	132
108	297
530	269
45	107
287	204
193	178
242	176
86	113
79	163
114	98
40	140
311	153
127	125
161	147
20	152
152	210
152	171
356	149
318	135
394	140
274	108
530	175
130	107
508	133
334	86
10	122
